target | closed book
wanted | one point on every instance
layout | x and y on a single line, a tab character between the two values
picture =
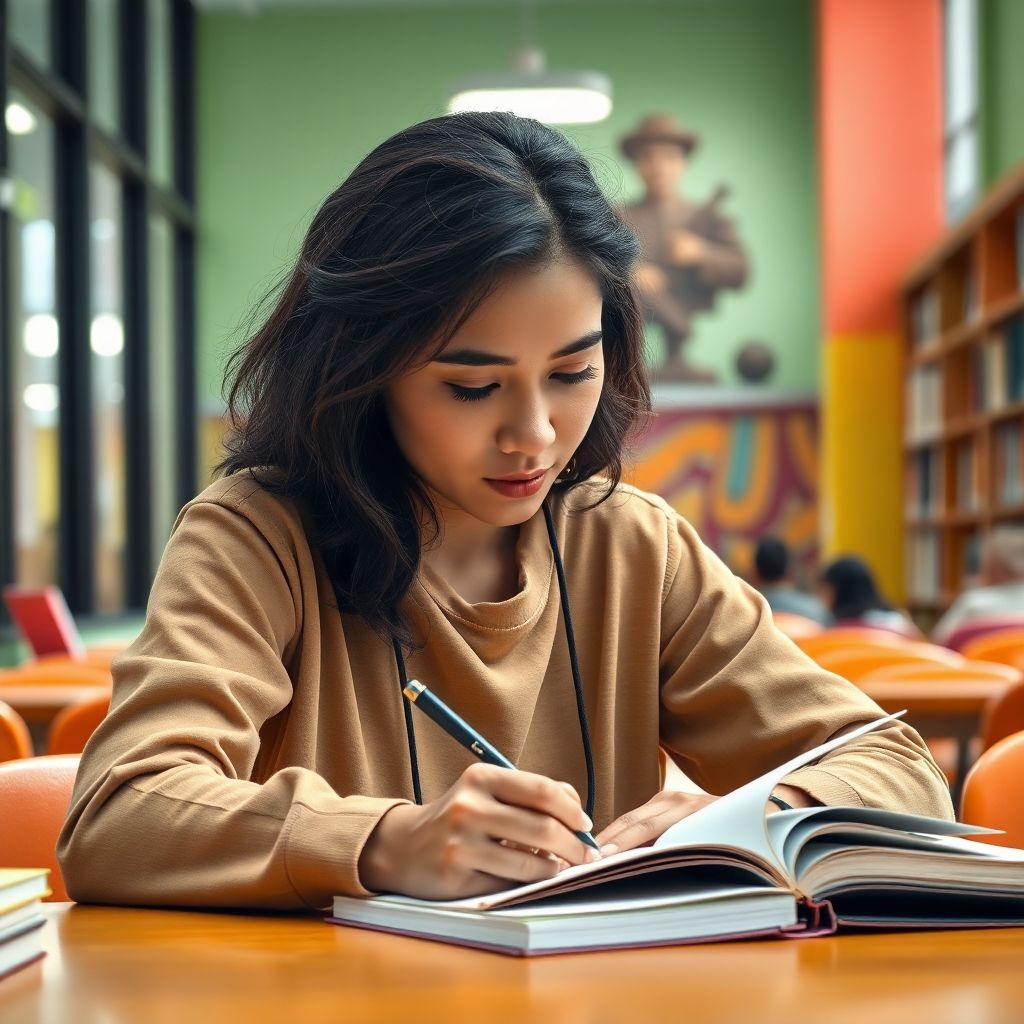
732	871
21	944
19	885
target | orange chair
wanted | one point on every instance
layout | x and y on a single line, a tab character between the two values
993	792
15	740
837	638
57	672
1004	717
855	663
989	671
73	726
1006	645
34	798
795	626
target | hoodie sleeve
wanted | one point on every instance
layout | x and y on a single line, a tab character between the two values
164	809
738	698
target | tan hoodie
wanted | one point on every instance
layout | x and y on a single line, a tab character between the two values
256	735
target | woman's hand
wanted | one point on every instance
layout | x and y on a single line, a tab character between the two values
494	827
642	826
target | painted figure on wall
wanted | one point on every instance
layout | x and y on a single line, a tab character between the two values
691	250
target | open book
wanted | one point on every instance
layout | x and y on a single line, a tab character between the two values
730	871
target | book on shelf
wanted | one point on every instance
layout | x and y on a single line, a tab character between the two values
21	940
1014	342
924	315
925	565
732	871
971	295
924	483
1009	483
968	497
924	403
1019	245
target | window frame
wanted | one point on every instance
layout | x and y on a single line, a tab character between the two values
61	90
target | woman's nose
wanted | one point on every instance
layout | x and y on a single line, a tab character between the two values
528	430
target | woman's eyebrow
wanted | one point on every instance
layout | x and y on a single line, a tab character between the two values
476	357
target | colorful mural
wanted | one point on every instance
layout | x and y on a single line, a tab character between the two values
738	473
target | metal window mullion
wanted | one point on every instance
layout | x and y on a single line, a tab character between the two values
6	343
77	500
138	431
183	141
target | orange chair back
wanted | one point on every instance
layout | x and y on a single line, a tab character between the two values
854	664
1004	717
99	656
837	638
994	792
794	625
34	798
74	725
1005	645
57	672
987	671
15	740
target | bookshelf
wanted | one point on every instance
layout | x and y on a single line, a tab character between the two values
963	434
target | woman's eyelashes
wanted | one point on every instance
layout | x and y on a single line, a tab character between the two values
464	394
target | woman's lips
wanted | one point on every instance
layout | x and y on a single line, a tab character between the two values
518	488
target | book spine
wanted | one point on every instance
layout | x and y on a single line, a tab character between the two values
816	918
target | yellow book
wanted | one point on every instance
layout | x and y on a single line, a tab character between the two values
19	886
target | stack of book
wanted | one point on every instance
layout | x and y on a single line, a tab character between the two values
21	936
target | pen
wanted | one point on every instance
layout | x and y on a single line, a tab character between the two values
459	729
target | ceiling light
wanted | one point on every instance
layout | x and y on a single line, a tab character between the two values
530	90
555	97
20	120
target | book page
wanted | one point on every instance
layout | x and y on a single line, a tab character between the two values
738	819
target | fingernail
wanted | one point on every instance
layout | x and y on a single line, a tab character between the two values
587	823
609	848
593	855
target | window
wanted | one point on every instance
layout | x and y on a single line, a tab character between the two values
96	353
960	101
34	338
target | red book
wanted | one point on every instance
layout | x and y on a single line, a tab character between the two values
44	621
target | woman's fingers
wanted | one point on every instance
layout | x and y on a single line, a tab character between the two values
642	826
532	830
532	792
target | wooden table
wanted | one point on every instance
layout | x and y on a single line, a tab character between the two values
125	966
39	704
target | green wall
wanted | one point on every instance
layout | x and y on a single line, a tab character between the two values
288	102
1002	84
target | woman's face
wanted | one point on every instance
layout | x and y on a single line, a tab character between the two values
511	396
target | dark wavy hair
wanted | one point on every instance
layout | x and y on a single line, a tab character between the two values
395	260
854	590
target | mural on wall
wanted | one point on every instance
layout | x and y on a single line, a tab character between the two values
691	250
737	475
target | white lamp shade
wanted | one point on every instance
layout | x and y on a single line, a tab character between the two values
554	97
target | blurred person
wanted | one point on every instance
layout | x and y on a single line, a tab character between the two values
1000	589
422	479
851	594
773	578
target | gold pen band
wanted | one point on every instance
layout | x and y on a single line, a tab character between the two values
413	689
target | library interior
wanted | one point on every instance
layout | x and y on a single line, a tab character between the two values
238	515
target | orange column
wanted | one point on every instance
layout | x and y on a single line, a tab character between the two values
880	130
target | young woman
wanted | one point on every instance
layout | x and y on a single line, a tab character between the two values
423	483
